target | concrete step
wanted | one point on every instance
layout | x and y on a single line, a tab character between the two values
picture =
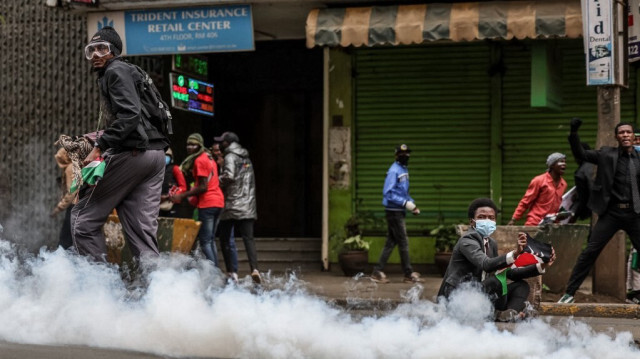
282	254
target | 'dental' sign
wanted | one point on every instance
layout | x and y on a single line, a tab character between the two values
184	30
598	28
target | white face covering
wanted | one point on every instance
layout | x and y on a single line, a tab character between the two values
485	227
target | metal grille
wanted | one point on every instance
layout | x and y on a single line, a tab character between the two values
530	135
422	96
47	89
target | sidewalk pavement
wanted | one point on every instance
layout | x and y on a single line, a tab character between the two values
364	294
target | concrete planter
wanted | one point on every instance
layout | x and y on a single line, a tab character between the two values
174	235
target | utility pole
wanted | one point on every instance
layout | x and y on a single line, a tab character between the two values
609	275
610	269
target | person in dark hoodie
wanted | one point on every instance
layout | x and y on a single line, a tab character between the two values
133	152
238	185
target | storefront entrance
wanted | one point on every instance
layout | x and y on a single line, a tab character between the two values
272	99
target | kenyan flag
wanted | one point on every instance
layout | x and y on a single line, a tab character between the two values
91	173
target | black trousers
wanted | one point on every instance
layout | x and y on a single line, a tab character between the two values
243	228
517	293
65	232
608	224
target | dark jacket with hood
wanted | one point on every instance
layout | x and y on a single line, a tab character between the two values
238	184
125	126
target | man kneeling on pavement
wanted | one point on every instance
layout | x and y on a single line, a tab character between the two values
475	259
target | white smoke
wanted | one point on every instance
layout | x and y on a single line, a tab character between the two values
187	311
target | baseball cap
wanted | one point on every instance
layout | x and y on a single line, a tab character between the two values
227	136
402	148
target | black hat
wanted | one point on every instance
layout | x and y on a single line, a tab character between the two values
227	136
109	35
402	149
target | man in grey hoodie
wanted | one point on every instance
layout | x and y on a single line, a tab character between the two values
237	181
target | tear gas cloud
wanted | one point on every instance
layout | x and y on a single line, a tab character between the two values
187	311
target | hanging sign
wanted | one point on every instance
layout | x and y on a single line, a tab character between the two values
598	23
179	30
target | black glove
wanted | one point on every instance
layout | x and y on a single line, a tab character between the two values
575	124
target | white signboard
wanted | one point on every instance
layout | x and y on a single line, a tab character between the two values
600	54
634	30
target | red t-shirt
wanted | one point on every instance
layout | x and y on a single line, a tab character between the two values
203	166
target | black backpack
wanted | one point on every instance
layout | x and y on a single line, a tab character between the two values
155	111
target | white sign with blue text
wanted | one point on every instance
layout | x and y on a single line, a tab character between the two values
598	25
183	30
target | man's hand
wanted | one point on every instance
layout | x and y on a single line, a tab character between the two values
416	211
551	260
95	153
177	198
410	205
511	222
521	245
575	124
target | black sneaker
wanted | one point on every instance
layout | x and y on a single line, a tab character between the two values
567	298
633	297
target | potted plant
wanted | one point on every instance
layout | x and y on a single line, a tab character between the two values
352	248
446	237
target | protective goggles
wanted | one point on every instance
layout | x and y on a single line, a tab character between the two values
101	49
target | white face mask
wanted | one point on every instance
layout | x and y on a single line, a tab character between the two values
485	227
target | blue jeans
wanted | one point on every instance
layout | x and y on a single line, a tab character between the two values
209	218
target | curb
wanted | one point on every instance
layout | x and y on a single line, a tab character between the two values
608	310
600	310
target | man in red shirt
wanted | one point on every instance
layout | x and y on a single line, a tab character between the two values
199	163
544	194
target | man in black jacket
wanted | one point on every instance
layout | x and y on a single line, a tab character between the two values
133	151
475	259
614	197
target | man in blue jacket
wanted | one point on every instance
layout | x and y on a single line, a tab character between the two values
396	200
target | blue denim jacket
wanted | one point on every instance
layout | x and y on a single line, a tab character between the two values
395	192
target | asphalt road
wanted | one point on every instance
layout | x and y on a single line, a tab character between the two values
22	351
333	288
29	351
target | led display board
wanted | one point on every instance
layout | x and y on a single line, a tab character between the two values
189	94
196	65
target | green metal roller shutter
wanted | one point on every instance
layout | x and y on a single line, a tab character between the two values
530	135
437	100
